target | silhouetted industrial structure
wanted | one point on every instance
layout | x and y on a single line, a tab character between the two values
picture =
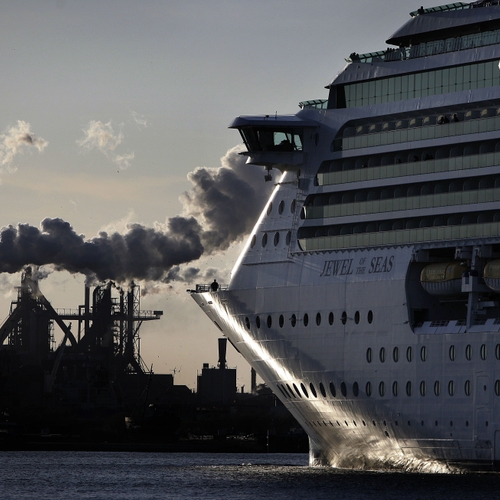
92	367
217	385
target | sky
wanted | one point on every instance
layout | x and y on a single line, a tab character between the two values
114	135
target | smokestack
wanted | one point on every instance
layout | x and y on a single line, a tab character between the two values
253	381
222	353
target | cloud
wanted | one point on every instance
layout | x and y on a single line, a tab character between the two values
220	210
101	136
139	120
16	140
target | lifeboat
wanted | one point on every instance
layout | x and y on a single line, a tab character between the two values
492	275
444	278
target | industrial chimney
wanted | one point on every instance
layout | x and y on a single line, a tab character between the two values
222	353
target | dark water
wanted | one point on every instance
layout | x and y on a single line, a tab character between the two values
110	476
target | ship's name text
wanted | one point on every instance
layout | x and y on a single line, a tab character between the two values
346	267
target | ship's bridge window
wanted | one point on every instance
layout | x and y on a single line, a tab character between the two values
268	139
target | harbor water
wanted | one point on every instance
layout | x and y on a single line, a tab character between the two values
123	475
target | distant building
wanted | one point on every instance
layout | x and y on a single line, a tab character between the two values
217	385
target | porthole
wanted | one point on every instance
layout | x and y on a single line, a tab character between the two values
306	319
452	353
409	354
257	321
313	390
368	389
318	319
293	206
408	388
468	352
343	389
333	392
422	388
288	237
276	239
304	390
369	355
355	389
330	318
290	390
451	388
285	394
269	321
382	354
497	387
297	391
281	207
281	321
394	388
253	241
356	317
247	322
264	239
344	318
381	389
483	352
322	389
467	388
370	317
395	354
437	388
423	353
497	351
293	320
269	208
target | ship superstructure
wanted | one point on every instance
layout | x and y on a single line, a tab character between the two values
368	294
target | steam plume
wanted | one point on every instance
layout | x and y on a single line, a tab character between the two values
220	209
15	140
101	136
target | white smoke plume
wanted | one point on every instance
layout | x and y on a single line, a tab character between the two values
101	136
16	140
220	209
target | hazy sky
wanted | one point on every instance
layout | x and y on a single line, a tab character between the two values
108	105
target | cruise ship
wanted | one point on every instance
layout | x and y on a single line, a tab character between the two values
368	293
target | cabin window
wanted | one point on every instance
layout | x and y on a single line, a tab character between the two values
297	390
304	390
381	389
409	354
437	388
369	355
382	354
332	389
395	355
343	389
322	389
408	388
422	388
313	390
355	390
368	389
467	387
